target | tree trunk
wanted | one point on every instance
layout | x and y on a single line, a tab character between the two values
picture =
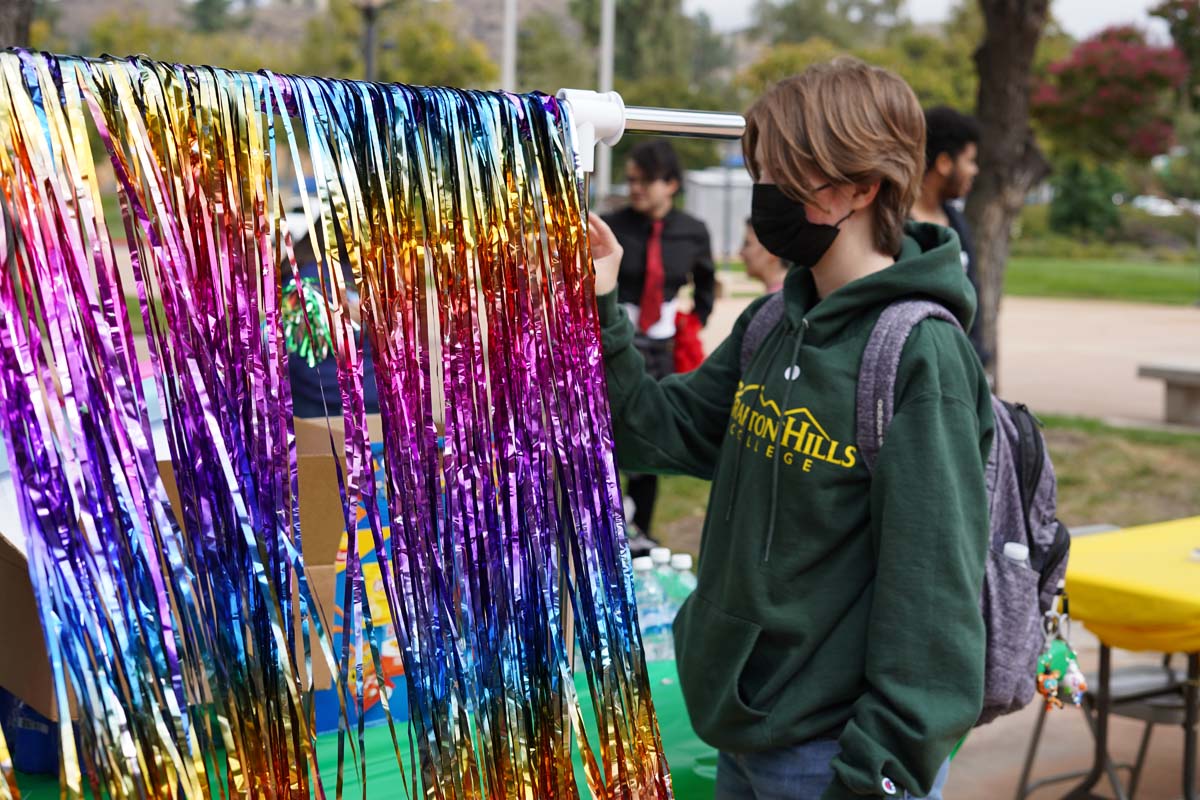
1010	163
15	18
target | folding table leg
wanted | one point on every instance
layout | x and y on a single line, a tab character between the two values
1023	786
1143	749
1100	757
1191	696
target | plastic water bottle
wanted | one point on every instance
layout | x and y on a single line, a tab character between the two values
661	556
685	579
654	613
1015	551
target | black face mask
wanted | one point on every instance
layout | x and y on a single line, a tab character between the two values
784	229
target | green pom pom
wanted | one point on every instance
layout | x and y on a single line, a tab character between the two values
305	322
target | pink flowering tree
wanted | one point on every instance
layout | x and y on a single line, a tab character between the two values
1111	99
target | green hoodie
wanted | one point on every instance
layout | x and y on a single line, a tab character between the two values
830	603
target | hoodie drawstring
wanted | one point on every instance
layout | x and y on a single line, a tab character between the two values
737	461
787	397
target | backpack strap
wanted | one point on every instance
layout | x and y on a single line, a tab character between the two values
876	395
765	318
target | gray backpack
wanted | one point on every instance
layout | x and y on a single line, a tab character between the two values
1021	498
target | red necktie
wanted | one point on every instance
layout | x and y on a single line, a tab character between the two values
650	309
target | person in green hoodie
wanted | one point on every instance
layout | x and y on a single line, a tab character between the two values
834	647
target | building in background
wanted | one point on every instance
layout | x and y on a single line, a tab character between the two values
720	196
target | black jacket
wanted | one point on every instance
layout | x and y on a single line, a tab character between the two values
958	223
687	255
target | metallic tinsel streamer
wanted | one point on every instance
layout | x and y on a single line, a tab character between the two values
178	631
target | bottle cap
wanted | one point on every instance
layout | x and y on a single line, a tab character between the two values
642	564
682	561
660	555
1016	551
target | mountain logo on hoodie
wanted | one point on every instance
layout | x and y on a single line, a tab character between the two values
761	425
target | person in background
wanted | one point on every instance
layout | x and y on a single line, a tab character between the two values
665	249
761	263
951	147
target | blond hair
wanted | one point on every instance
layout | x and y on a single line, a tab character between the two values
851	123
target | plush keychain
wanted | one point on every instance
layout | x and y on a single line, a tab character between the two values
1059	679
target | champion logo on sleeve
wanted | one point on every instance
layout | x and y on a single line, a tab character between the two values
889	788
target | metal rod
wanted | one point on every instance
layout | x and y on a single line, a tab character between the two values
682	122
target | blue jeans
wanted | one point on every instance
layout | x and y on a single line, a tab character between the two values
802	772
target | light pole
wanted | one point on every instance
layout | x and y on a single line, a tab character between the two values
508	66
370	13
608	26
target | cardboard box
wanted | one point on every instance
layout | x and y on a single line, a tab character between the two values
24	665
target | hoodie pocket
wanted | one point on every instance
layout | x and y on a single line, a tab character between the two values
712	649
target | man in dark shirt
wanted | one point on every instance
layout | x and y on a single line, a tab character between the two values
951	147
665	249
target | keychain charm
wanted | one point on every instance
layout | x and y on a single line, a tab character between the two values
1059	679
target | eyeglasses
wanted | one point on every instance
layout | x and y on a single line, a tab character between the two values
641	181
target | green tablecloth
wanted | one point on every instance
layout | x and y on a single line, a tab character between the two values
693	763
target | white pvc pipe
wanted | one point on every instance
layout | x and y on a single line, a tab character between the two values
598	117
603	118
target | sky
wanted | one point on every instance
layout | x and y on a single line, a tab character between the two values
1081	18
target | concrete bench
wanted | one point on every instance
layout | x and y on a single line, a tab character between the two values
1183	390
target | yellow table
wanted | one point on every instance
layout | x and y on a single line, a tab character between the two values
1139	589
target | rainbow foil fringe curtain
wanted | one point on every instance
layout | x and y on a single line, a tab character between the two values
184	635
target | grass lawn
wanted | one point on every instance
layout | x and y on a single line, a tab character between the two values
1137	281
1171	283
1121	476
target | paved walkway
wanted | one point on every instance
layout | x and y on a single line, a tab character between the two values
1075	357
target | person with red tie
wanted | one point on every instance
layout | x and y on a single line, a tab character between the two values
665	249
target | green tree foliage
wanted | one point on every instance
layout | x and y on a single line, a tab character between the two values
711	54
119	34
938	64
419	43
1083	198
1183	20
782	60
210	16
652	37
847	23
663	57
656	40
548	60
42	32
1179	176
939	69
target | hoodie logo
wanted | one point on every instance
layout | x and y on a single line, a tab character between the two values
761	426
